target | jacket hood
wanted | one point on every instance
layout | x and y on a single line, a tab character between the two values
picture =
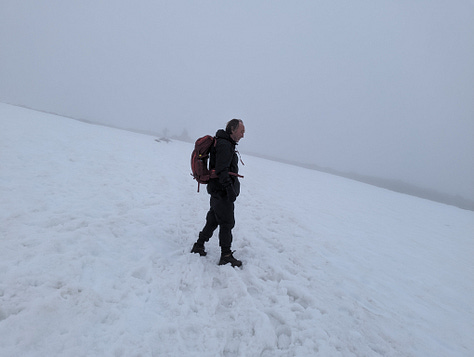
222	134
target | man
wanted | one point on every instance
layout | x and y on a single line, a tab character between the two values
223	190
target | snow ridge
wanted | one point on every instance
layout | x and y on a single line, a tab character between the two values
97	225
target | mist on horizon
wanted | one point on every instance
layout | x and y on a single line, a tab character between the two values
377	88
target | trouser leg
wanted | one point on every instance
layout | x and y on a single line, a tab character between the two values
209	228
224	213
220	214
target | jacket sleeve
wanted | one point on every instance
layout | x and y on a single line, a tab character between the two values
224	156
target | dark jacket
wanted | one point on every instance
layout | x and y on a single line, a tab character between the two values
224	159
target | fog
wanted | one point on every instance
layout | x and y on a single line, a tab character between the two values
381	88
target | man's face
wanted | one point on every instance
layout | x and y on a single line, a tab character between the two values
238	133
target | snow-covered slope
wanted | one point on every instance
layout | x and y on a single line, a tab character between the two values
96	228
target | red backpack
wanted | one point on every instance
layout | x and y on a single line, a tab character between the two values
200	158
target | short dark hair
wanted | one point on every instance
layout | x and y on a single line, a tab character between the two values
232	125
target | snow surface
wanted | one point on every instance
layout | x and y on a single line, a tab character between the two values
97	225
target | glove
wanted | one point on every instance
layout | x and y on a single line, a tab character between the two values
231	196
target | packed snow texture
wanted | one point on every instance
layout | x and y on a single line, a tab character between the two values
97	226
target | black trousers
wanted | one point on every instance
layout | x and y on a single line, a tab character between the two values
221	214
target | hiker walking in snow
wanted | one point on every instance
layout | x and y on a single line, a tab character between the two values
223	190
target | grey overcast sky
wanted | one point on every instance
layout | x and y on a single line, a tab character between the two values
377	87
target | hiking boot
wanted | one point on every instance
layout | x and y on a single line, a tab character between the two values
229	258
199	249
